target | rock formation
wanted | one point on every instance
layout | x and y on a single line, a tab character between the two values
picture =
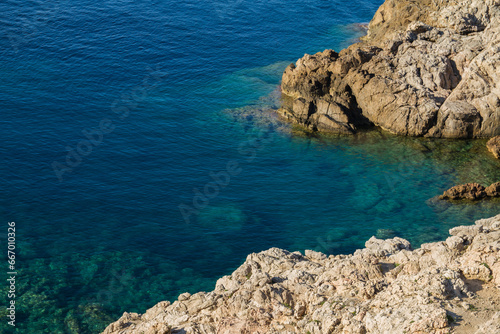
425	68
493	190
493	146
471	191
385	288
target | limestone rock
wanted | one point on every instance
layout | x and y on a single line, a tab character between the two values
426	68
384	288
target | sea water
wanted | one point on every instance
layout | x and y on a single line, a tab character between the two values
140	159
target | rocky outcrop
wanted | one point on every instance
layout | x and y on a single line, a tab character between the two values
384	288
426	68
493	146
471	191
493	190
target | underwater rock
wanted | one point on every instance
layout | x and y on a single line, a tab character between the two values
385	233
227	218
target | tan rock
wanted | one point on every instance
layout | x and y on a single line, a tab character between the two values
471	191
493	190
426	68
493	146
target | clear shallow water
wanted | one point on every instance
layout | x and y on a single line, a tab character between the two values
109	237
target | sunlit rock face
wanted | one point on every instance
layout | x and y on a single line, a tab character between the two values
426	68
493	146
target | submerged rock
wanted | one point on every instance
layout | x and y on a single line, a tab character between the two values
385	288
426	68
228	218
385	233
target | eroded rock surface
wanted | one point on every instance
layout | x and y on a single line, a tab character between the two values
493	146
493	190
426	68
471	191
384	288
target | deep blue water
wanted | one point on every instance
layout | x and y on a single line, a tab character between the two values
181	90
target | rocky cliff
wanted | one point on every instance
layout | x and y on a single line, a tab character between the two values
425	68
451	286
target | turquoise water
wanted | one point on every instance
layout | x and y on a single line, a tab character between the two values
186	88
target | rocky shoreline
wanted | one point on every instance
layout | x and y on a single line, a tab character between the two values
452	286
425	68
